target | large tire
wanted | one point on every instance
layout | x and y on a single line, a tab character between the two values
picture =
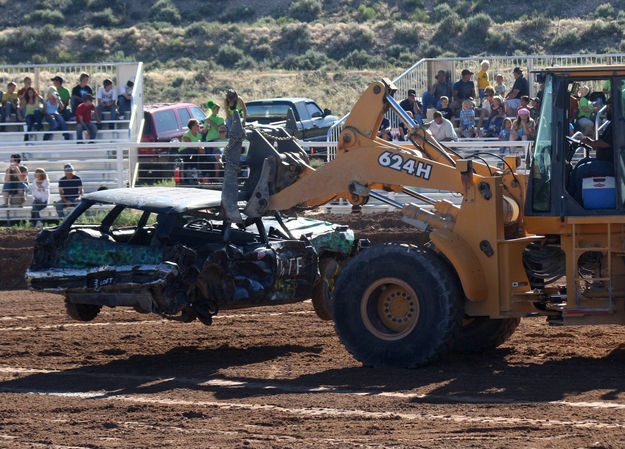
479	334
82	312
397	305
323	291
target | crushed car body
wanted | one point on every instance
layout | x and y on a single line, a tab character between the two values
180	258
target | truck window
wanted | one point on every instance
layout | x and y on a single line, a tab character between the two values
541	174
302	111
198	113
314	110
274	112
184	116
166	121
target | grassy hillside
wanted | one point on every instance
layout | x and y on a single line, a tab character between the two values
192	48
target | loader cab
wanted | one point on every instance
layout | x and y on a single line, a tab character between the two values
568	178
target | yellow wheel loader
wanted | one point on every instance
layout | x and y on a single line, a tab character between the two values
545	241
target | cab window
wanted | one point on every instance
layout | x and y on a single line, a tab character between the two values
541	174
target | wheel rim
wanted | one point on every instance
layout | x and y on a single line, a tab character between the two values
390	308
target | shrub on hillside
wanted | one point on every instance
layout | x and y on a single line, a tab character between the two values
311	60
305	10
104	18
197	29
440	12
568	41
477	27
360	59
411	5
46	16
604	11
228	55
164	11
602	29
365	13
294	38
238	14
347	39
405	34
448	28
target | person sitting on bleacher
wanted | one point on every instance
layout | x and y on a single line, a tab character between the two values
52	113
70	190
41	194
9	103
15	180
83	118
64	95
22	92
124	98
30	107
106	96
80	90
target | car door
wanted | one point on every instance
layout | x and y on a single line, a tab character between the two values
317	128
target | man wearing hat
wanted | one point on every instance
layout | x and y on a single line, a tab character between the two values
212	122
520	88
70	190
464	89
64	95
441	88
412	106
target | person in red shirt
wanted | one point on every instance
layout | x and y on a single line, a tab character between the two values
83	118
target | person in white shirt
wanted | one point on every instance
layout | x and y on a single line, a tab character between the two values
442	129
41	194
107	96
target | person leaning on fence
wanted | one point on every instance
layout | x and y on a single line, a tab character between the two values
191	154
9	104
41	194
124	98
232	103
52	107
15	181
70	190
64	95
83	118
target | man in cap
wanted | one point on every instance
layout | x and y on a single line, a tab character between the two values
212	122
411	105
520	88
64	95
464	89
70	190
441	88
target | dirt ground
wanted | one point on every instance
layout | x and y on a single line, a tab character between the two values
279	378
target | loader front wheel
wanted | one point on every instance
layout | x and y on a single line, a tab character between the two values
396	305
479	334
82	312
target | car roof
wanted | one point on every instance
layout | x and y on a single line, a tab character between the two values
280	100
163	106
159	199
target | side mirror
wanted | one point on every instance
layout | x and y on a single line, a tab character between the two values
327	112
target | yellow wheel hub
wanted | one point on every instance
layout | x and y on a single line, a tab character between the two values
390	308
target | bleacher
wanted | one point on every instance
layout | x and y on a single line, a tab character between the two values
103	163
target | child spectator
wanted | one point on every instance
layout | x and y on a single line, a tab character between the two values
585	112
500	87
9	103
15	179
106	96
124	99
41	195
525	103
31	110
52	114
233	103
83	118
467	119
485	110
445	109
482	78
535	109
495	119
80	90
523	127
212	122
64	95
504	134
70	190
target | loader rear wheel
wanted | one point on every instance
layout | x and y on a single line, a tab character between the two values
82	312
479	334
397	305
323	291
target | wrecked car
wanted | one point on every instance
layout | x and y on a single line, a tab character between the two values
181	260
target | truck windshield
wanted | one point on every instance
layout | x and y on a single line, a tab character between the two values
541	174
274	112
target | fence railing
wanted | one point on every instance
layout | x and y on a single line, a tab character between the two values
422	74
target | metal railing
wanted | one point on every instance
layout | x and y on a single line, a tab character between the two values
421	75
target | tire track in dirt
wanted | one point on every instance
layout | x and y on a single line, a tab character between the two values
326	411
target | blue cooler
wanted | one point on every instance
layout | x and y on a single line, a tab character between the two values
599	192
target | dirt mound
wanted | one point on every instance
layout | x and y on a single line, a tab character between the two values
16	252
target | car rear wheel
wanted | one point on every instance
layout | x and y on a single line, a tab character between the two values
82	312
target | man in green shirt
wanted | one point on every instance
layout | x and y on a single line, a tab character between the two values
212	122
64	95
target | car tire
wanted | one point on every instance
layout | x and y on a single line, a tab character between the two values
82	312
479	334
